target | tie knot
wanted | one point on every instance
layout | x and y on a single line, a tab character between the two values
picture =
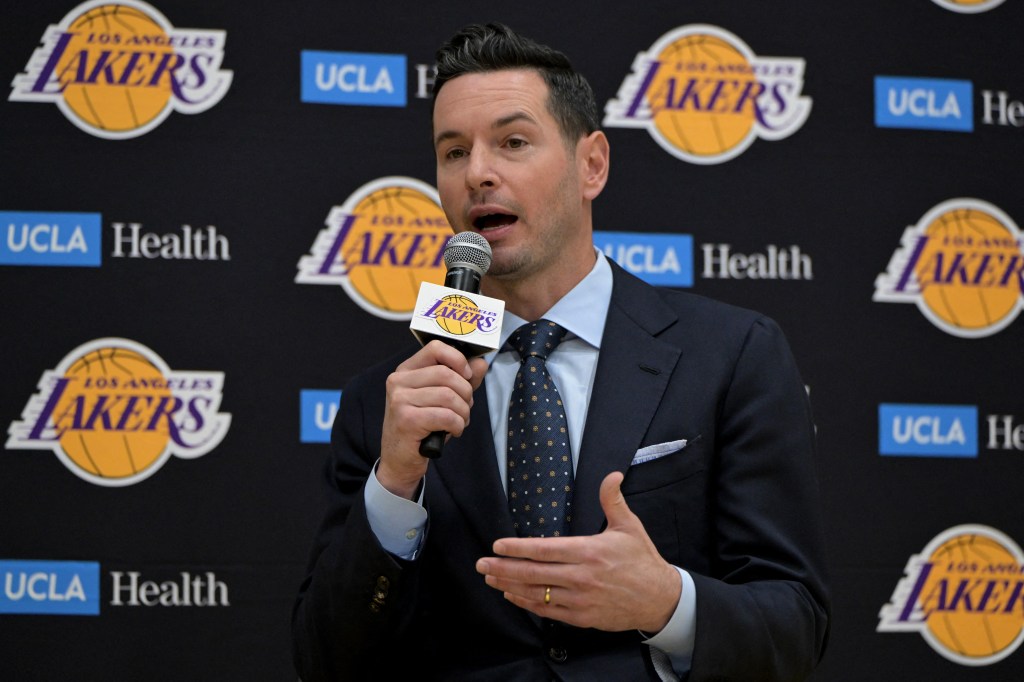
537	339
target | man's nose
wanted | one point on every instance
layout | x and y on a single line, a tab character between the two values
481	171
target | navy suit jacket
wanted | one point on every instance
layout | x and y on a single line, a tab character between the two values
737	507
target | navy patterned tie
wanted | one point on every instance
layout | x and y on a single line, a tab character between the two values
540	476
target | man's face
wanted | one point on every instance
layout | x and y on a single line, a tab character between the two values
505	172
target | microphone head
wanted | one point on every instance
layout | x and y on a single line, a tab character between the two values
469	250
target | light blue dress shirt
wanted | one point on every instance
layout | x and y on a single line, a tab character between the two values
398	523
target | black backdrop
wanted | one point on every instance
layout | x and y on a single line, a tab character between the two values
264	168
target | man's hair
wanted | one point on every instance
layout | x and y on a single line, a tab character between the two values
495	47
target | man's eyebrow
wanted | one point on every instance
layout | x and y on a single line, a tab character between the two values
443	136
498	123
512	118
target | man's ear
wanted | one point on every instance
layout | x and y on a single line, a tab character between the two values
593	158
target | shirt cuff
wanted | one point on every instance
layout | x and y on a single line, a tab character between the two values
677	637
397	522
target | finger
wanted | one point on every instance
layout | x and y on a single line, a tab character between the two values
546	595
479	368
552	610
432	375
565	550
614	503
430	387
517	571
438	353
529	591
457	399
417	412
532	595
418	422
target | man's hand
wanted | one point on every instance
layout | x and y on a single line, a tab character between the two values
613	581
431	391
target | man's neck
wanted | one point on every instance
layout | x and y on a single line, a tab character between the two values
531	297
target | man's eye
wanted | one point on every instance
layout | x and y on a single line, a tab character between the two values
455	153
516	143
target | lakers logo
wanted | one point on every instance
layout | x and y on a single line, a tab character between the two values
704	96
386	239
968	6
113	412
962	264
964	594
460	315
118	69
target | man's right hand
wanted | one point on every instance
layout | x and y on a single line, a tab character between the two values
431	391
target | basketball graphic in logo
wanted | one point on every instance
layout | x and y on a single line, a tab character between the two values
962	264
973	633
384	253
711	131
704	96
454	325
113	413
104	450
974	301
387	238
118	69
115	106
963	595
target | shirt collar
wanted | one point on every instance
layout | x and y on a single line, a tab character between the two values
582	311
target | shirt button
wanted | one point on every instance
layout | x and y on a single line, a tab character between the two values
558	654
411	534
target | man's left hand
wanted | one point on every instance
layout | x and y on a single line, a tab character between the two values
613	581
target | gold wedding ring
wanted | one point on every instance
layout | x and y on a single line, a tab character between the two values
547	595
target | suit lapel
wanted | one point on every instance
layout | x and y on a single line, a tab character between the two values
468	469
633	370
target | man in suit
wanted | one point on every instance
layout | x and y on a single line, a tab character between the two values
684	541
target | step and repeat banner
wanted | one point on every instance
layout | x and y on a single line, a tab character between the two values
214	214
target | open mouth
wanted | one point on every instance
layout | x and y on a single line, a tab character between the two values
492	220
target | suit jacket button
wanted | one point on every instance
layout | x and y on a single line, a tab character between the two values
380	594
558	654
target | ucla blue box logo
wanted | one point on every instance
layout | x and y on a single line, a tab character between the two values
353	78
62	239
659	259
928	430
50	587
317	409
927	103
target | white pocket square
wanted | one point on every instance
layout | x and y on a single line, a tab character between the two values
657	450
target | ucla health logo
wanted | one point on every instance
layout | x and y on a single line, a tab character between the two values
704	96
386	238
962	265
50	587
927	103
658	259
968	6
963	594
118	69
114	412
317	410
353	78
63	239
928	430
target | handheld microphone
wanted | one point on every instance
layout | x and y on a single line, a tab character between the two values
467	257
